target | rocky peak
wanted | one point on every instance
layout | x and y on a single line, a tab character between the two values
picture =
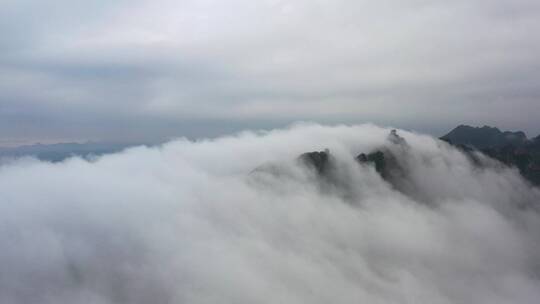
394	138
377	158
484	137
319	160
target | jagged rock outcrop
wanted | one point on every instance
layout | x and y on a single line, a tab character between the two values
318	160
389	165
376	158
385	162
394	138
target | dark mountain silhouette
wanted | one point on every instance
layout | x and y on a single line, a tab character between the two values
318	160
484	137
376	158
511	148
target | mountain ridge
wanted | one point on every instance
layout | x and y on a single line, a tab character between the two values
485	137
511	148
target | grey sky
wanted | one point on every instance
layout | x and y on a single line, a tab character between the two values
148	70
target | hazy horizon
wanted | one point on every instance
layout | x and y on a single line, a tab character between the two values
217	134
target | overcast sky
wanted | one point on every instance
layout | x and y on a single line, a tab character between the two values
147	70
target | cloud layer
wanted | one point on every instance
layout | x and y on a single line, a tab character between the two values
191	222
152	69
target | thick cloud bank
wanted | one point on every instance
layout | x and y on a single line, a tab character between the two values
192	222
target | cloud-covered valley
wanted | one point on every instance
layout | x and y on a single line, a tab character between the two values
196	222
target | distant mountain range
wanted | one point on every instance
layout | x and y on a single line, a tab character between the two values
61	151
510	148
486	137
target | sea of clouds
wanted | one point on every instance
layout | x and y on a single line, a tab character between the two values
197	222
